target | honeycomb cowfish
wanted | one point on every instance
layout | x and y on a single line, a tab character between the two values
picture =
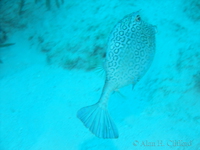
130	52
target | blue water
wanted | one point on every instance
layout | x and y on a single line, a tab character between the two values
50	55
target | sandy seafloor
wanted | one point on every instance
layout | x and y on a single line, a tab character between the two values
49	74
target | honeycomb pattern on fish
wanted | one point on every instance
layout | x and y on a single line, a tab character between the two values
130	51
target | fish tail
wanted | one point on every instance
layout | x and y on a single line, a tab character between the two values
98	120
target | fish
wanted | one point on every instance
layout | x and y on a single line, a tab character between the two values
130	53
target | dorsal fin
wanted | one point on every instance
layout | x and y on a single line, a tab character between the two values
100	70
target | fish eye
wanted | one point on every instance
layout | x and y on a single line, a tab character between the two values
137	18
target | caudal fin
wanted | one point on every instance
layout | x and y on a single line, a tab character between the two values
98	120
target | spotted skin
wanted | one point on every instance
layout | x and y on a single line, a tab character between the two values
130	52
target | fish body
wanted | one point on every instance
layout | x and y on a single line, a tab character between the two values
130	52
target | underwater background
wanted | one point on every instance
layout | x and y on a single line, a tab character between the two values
50	52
